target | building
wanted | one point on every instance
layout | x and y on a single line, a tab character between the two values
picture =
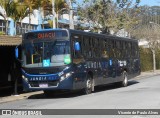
37	22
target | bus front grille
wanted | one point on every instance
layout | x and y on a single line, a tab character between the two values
38	83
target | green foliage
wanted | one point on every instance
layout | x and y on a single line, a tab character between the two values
146	58
2	33
118	1
50	22
9	8
107	16
158	59
137	1
60	4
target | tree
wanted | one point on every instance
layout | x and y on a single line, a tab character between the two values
46	8
151	34
7	6
20	12
59	5
150	14
41	5
107	16
31	5
149	29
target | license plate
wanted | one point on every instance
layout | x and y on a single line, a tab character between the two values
43	85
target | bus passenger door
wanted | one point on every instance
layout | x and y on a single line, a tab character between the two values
112	68
78	62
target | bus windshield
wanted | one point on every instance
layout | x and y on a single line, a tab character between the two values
46	54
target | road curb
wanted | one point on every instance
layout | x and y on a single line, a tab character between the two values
147	75
18	97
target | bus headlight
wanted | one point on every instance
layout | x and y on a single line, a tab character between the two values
65	76
25	78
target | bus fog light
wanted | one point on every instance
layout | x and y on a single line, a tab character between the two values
62	78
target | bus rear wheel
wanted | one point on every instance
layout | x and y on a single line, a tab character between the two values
124	83
88	85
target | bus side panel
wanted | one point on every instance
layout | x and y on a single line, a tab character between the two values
79	76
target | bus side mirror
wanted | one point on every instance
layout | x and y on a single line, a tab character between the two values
16	53
77	46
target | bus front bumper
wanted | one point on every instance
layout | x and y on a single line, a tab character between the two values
66	84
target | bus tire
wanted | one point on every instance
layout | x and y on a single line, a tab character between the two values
48	93
88	85
124	83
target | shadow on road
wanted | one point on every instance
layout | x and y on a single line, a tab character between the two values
113	86
4	92
79	93
56	95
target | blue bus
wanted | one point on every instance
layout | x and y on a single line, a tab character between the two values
65	59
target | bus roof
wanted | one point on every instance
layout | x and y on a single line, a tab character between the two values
41	30
102	35
87	33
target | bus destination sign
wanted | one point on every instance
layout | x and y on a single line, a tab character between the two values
46	34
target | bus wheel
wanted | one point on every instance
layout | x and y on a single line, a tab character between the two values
88	88
125	79
48	93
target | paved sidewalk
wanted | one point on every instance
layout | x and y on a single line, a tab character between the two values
148	73
26	95
18	97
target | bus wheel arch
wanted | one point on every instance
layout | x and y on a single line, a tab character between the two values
125	70
92	79
89	83
124	82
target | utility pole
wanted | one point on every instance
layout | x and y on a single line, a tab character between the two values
71	23
53	12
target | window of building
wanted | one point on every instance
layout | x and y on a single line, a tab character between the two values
2	26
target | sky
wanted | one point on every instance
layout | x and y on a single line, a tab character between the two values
150	2
143	2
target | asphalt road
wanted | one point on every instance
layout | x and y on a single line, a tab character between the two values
140	94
